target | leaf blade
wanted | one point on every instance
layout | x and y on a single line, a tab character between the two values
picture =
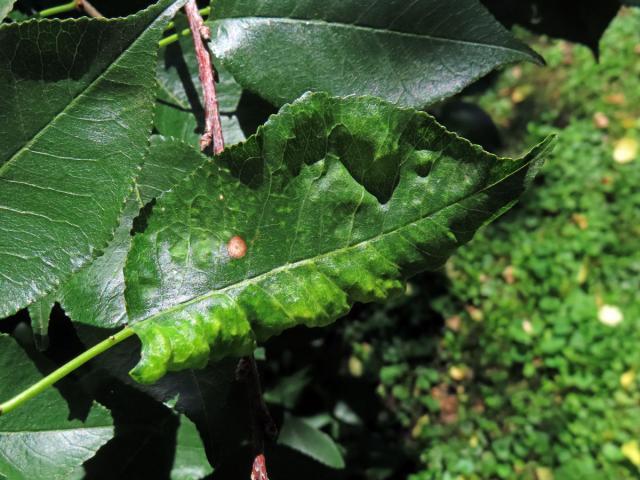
299	435
412	54
95	294
38	441
73	130
337	200
190	461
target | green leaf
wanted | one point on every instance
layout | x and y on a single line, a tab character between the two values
190	461
179	109
5	8
39	312
301	436
410	53
39	440
75	118
337	201
95	294
288	389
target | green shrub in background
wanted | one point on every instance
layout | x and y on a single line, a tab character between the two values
536	373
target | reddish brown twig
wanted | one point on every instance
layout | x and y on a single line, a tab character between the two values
259	470
88	8
212	126
261	422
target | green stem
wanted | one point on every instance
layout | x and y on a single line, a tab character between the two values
68	7
64	370
173	38
203	11
49	12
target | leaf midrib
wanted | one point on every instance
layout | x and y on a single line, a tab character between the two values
83	92
308	260
378	31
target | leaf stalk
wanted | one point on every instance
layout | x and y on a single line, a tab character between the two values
50	12
64	370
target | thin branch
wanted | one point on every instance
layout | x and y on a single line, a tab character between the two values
88	8
262	423
212	126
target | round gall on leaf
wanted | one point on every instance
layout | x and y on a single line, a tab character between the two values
237	247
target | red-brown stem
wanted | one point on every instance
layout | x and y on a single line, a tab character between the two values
262	423
88	8
212	126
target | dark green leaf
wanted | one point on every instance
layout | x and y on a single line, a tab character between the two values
410	53
75	118
190	461
336	200
39	312
95	294
301	436
39	441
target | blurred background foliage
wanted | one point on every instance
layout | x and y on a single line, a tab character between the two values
521	359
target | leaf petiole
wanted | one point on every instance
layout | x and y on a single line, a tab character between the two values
50	12
64	370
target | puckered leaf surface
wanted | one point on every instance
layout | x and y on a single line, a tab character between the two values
411	53
39	441
75	117
336	201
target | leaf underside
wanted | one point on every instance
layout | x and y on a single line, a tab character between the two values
410	53
337	201
75	117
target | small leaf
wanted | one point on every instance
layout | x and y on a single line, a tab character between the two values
95	294
337	200
301	436
410	53
288	389
190	462
38	441
75	118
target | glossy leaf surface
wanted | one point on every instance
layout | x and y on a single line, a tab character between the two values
333	201
75	117
95	294
39	441
410	53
